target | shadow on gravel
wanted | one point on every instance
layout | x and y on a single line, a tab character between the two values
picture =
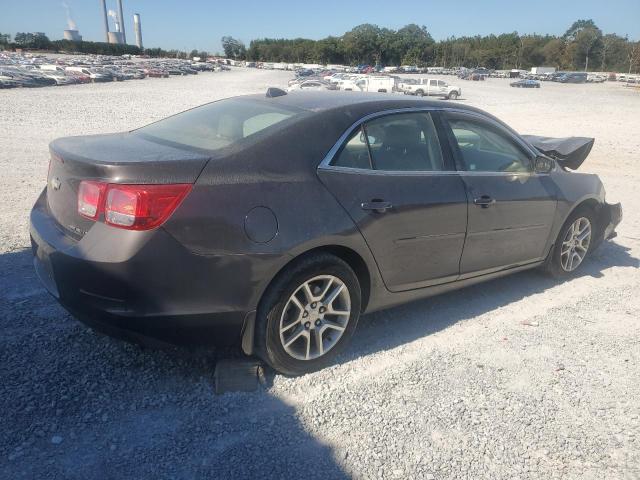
390	328
78	405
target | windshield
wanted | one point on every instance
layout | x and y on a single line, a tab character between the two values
218	124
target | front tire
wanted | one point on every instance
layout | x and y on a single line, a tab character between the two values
453	96
573	244
308	315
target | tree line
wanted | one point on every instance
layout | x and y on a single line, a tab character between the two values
39	41
582	47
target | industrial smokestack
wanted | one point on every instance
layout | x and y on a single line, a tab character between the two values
124	35
103	3
137	28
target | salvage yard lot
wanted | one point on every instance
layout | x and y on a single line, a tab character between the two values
521	377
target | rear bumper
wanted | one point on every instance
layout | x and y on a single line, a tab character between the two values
143	285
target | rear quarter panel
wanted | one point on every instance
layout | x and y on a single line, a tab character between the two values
279	174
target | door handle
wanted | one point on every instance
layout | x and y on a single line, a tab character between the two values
376	205
485	201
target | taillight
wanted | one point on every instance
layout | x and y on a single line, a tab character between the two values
134	207
142	207
90	198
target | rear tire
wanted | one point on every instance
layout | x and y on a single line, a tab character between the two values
573	245
300	329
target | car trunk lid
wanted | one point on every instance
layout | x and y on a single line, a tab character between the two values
124	158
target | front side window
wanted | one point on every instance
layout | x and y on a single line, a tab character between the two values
484	148
399	142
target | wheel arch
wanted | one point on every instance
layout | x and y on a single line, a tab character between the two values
591	203
347	254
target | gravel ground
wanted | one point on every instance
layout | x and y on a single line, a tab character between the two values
522	377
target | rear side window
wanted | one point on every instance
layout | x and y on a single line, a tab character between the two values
218	124
354	153
399	142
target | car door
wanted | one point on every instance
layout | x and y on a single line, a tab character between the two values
511	208
433	87
391	176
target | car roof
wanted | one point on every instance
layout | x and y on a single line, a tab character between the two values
320	101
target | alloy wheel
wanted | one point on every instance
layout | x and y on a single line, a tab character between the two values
315	317
575	244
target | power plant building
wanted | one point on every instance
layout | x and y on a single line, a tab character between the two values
119	34
137	28
72	35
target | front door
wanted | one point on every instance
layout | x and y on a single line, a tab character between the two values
511	208
405	197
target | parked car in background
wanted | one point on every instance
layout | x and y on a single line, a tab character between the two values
573	77
596	78
526	84
312	84
95	75
60	77
431	87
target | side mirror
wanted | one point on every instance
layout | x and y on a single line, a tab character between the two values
543	165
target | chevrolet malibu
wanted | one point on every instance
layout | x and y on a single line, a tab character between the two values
273	222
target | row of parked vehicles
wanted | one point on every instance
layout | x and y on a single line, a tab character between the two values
375	83
40	71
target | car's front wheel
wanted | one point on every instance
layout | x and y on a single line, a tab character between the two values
453	95
573	243
308	314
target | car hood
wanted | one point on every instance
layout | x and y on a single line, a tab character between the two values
569	152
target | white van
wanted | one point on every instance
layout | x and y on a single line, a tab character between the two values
375	84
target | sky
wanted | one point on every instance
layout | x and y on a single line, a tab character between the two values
199	24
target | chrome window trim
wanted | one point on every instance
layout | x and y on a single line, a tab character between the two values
427	173
325	164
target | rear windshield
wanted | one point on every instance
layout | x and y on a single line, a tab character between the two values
218	124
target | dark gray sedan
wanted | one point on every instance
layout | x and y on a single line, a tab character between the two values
274	221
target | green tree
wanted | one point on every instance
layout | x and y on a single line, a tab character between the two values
233	48
633	56
553	52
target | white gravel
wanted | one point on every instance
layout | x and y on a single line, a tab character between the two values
521	377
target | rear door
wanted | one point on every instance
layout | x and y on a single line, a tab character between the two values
391	176
511	208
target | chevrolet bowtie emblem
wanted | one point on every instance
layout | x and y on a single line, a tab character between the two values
55	183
